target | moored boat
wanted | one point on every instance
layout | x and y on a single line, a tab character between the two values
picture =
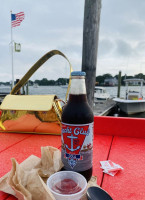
101	93
35	85
64	86
133	102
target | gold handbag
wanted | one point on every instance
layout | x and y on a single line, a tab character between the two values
32	113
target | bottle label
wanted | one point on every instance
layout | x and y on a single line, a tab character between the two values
77	146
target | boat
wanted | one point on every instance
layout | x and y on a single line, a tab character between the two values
133	102
35	85
64	86
101	93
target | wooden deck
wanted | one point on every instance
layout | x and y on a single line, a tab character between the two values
118	139
102	107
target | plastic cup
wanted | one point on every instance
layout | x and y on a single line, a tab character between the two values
59	177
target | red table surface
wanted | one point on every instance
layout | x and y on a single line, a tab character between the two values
7	139
128	184
21	146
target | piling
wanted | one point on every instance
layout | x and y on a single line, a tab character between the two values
90	45
119	84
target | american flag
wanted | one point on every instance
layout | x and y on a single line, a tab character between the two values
16	19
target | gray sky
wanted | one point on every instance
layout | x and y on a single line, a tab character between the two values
58	24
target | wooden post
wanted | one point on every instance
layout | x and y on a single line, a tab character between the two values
90	45
27	88
23	90
119	84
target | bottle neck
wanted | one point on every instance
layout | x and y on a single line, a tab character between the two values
78	86
78	90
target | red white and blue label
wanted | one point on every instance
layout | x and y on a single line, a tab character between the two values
77	140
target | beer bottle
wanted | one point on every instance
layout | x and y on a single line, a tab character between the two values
77	128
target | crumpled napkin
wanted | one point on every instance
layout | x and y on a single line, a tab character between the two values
27	181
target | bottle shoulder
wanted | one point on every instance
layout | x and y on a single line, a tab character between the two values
79	113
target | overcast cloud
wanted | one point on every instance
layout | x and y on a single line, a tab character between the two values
58	24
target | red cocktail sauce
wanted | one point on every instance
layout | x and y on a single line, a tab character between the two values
66	186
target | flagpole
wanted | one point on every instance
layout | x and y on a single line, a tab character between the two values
12	54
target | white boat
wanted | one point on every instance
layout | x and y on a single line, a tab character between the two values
64	86
35	85
133	102
101	93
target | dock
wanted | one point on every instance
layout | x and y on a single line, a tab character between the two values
102	108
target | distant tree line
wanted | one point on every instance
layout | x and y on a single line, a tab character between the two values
44	82
101	78
63	81
5	83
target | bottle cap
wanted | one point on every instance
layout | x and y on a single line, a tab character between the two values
78	73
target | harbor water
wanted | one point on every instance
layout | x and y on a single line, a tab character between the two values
100	106
61	91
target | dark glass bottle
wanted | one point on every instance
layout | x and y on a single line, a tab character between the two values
77	129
